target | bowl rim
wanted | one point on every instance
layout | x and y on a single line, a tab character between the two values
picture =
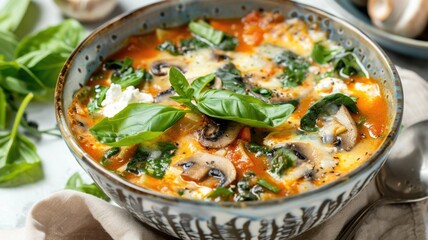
78	152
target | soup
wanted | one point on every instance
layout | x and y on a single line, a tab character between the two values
231	110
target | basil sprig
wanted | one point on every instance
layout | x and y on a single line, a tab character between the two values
227	105
136	123
308	121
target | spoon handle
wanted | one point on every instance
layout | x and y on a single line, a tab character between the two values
347	232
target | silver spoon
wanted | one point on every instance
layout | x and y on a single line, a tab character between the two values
403	178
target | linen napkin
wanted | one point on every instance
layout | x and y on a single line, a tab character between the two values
73	215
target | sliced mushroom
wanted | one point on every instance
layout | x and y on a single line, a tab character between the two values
161	67
201	166
218	133
164	95
220	56
341	130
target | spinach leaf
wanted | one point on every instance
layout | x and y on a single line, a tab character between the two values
264	92
19	161
17	78
322	54
308	121
347	64
283	159
75	182
259	149
3	105
191	44
204	32
125	75
136	123
153	162
242	108
248	190
8	44
109	154
296	68
268	185
98	97
62	39
169	47
231	78
12	14
221	192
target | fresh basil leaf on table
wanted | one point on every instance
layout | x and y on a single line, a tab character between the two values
19	161
17	78
136	123
308	121
75	182
12	14
295	70
153	162
3	105
8	44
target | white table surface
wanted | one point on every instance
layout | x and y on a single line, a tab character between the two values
58	163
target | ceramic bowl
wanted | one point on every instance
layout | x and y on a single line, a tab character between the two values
195	219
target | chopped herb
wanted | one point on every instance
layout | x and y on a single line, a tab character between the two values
295	69
125	75
231	78
248	190
264	92
323	54
153	162
268	185
99	94
108	154
283	158
221	192
75	182
361	120
169	47
347	64
180	192
204	32
191	44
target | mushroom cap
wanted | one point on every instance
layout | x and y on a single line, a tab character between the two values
218	133
203	165
349	137
161	67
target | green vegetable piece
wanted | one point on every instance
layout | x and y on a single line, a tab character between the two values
136	123
296	68
264	92
179	83
242	108
348	64
3	105
109	154
75	182
268	185
283	159
169	47
221	192
125	75
308	121
19	162
205	31
322	54
259	149
99	95
61	39
17	78
199	84
153	162
8	44
231	78
12	14
191	44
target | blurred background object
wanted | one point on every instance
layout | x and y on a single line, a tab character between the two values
86	10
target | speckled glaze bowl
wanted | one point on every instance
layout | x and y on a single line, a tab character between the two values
195	219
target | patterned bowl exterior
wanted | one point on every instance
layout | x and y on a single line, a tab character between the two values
194	219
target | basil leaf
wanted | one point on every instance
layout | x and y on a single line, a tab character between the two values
62	38
322	54
19	161
213	37
12	14
125	75
242	108
191	44
136	123
153	162
347	64
3	105
8	44
296	68
200	83
169	47
17	78
264	92
205	31
179	83
99	95
44	64
268	185
308	121
231	78
75	182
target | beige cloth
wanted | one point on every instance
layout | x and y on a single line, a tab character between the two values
73	215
